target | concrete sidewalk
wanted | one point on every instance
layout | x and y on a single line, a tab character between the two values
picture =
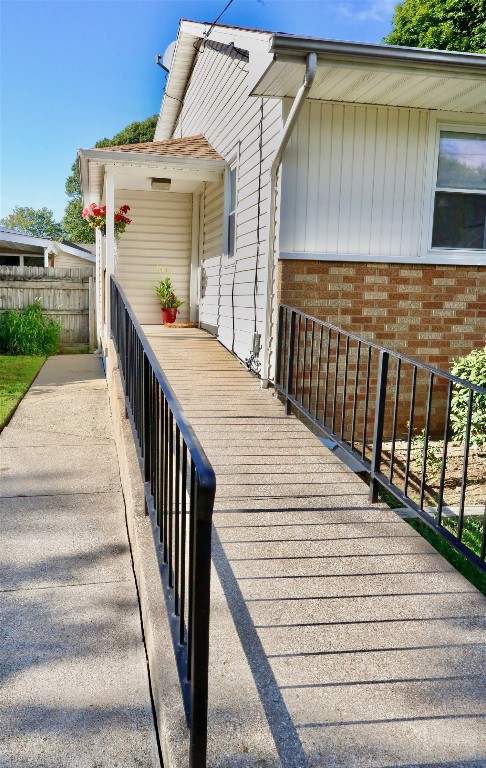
74	684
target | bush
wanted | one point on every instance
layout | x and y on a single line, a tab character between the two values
29	332
472	367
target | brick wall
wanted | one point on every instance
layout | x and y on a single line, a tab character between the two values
433	313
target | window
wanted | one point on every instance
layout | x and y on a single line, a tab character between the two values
231	224
9	261
33	261
460	192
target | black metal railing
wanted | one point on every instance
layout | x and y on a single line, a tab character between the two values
394	415
180	486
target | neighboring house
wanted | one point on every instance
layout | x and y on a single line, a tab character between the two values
20	250
346	179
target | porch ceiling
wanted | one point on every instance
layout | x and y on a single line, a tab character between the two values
372	74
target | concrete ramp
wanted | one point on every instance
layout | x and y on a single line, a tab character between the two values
351	642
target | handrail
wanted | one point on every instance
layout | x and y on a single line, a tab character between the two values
180	486
372	401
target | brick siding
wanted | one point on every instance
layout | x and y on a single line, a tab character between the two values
433	313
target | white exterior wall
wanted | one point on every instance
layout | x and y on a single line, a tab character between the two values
230	121
68	260
353	181
159	235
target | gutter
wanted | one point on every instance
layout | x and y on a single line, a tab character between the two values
288	47
303	92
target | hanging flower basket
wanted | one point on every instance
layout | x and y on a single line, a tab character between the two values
95	217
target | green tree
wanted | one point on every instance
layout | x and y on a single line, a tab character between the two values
31	221
448	25
75	226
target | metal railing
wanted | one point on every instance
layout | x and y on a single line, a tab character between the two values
393	415
180	486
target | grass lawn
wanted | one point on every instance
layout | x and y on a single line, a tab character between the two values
16	375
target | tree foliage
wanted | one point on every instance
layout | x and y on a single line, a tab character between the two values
31	221
448	25
77	228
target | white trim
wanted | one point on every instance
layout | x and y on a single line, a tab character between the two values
232	164
462	258
194	274
110	243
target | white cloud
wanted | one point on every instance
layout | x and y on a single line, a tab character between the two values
373	10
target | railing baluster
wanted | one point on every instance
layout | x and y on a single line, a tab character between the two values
326	381
410	428
366	403
423	478
395	412
378	426
440	500
290	363
465	463
355	399
345	386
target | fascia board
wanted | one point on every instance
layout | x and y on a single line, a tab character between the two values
450	62
117	158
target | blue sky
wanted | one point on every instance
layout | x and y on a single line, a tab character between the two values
74	72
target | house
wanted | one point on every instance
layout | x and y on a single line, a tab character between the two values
345	179
21	250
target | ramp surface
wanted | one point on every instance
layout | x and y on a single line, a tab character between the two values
365	647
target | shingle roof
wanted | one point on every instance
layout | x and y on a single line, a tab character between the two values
188	146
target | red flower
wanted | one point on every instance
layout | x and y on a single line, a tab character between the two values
118	217
124	208
103	210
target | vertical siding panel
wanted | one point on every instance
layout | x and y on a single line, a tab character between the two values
335	175
324	159
399	189
346	180
302	173
368	181
351	245
312	196
410	174
389	181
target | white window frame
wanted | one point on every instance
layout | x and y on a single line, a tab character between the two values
233	165
453	255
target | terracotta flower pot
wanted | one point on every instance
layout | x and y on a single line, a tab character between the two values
168	314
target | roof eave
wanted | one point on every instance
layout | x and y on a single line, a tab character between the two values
123	157
296	47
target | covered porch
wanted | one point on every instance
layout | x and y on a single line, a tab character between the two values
162	183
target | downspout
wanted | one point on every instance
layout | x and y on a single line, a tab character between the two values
303	92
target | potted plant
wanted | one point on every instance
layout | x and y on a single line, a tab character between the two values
168	300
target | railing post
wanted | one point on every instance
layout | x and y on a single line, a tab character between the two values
378	425
290	362
201	574
279	344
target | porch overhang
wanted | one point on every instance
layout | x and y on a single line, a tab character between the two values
377	74
135	168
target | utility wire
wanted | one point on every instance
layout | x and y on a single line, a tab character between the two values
206	34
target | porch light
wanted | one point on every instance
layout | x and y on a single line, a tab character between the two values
161	184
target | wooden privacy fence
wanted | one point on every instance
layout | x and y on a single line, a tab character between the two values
66	294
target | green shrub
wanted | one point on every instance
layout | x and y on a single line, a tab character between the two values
29	332
472	367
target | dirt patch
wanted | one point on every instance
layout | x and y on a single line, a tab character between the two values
476	472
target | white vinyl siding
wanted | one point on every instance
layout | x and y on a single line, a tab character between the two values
159	235
353	181
68	260
230	120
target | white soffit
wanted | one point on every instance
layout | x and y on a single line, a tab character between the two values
383	75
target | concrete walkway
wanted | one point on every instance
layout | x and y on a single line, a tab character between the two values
357	644
74	685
